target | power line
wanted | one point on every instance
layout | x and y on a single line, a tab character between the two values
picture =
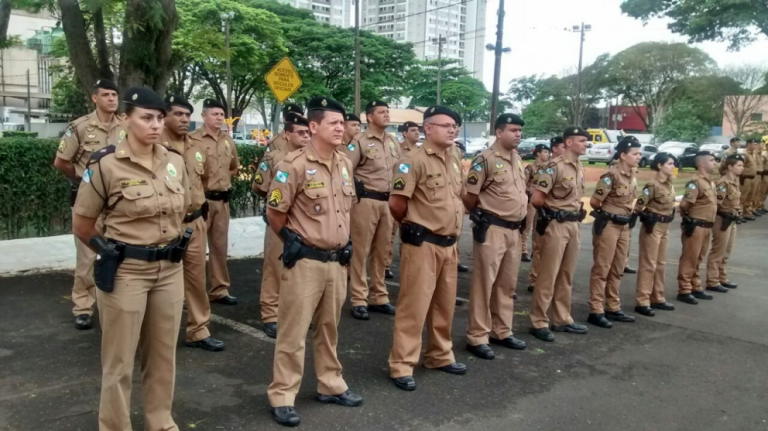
452	36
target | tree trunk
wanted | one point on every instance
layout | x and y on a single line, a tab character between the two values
5	16
105	71
145	56
82	60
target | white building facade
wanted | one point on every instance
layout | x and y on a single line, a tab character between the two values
334	12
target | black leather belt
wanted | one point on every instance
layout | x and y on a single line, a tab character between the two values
147	254
563	216
728	215
617	219
496	221
702	223
217	196
190	217
748	177
658	217
442	241
320	255
379	196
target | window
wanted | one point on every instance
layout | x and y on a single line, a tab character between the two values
758	116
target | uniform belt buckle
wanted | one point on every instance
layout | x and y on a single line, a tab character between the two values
333	256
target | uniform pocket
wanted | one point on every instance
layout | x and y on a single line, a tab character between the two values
377	159
139	201
349	193
563	189
176	194
435	188
320	201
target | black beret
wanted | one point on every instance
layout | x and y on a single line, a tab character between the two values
105	84
322	103
540	147
375	104
735	157
556	141
351	117
178	101
576	131
735	140
212	103
294	118
626	143
408	124
442	110
143	97
509	119
292	107
705	153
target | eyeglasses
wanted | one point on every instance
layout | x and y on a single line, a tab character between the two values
302	132
447	125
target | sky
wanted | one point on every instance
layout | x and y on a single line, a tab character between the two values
534	30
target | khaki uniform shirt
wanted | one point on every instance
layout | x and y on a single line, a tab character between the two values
140	206
87	135
658	197
277	142
195	161
758	162
700	192
498	180
530	171
430	177
562	181
728	195
406	148
727	153
372	159
750	165
617	190
221	154
267	169
316	195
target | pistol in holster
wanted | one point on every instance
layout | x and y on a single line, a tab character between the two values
178	251
633	220
727	220
523	224
601	221
480	229
412	233
292	247
109	256
205	209
688	226
73	187
543	221
359	189
582	212
649	222
346	255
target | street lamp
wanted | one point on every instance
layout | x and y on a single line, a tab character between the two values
225	19
579	29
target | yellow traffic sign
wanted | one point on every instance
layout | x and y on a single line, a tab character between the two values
283	80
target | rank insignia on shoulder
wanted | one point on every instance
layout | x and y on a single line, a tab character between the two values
543	183
472	178
599	192
641	201
275	197
687	195
399	184
259	179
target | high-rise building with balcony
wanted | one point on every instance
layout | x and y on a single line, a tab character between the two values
335	12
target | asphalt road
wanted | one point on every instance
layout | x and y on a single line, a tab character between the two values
700	367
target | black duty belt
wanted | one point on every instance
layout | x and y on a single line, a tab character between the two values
616	218
442	241
217	196
190	217
658	217
320	255
379	196
727	214
148	254
563	216
748	177
496	221
702	223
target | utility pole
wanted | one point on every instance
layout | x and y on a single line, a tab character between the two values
28	119
225	19
577	111
357	57
498	49
440	40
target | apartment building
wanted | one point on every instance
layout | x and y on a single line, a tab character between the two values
334	12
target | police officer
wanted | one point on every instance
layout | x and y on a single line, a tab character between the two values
296	135
556	149
309	206
411	135
541	157
758	186
426	200
351	127
724	231
141	188
734	143
613	201
557	192
497	204
223	164
278	141
763	180
748	181
656	210
373	154
84	136
698	208
175	137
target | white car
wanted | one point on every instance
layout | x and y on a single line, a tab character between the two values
475	146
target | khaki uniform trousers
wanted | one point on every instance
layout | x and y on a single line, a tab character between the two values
84	288
310	292
534	256
391	255
143	310
270	278
195	295
491	308
609	254
560	244
763	192
651	273
722	244
746	191
371	236
529	218
218	242
694	249
427	294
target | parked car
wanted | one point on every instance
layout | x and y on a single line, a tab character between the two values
716	149
475	146
685	152
647	153
600	153
525	150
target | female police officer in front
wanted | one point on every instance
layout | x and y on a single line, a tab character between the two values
655	207
139	186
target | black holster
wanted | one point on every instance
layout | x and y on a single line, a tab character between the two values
205	208
601	221
292	247
727	220
543	221
359	188
412	234
480	229
633	220
73	187
688	226
346	255
523	224
649	222
582	213
178	251
108	260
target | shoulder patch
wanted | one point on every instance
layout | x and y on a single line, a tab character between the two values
607	180
399	184
472	178
691	185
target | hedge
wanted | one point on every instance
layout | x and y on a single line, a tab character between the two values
17	134
34	196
